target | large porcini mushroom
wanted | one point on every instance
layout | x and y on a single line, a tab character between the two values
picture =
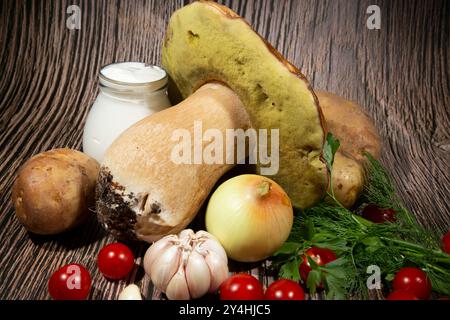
230	78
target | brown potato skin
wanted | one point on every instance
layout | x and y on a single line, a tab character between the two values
351	125
357	134
54	190
348	179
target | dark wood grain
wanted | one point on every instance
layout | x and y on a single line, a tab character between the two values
48	81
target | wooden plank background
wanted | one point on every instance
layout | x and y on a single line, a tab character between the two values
48	81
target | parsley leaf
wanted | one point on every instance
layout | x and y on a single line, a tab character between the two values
329	150
314	280
288	248
289	270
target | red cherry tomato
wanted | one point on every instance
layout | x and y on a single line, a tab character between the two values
446	242
414	281
321	256
401	295
241	287
115	261
378	215
284	289
71	282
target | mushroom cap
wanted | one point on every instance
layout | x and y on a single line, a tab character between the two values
208	42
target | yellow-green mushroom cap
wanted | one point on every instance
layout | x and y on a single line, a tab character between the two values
208	42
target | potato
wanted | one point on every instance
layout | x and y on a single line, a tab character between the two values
348	179
348	122
351	125
54	190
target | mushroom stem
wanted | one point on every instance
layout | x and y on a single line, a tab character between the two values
209	115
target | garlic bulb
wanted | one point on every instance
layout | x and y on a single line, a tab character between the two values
186	266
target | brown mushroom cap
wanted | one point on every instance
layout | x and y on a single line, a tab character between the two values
208	42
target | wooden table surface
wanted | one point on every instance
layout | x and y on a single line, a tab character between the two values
48	81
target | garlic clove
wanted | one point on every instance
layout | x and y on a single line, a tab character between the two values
197	275
131	292
165	266
217	268
204	234
186	234
213	245
177	289
155	250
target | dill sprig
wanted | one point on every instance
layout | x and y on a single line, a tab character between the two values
360	243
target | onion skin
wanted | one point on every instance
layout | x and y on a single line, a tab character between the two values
251	216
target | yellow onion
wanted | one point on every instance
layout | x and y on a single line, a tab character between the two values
251	216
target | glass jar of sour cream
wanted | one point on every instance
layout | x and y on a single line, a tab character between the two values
129	92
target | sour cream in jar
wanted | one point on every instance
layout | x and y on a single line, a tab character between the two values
129	92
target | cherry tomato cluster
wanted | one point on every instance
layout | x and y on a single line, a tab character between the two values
73	281
408	283
115	261
246	287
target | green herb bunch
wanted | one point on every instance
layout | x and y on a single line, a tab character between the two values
359	243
